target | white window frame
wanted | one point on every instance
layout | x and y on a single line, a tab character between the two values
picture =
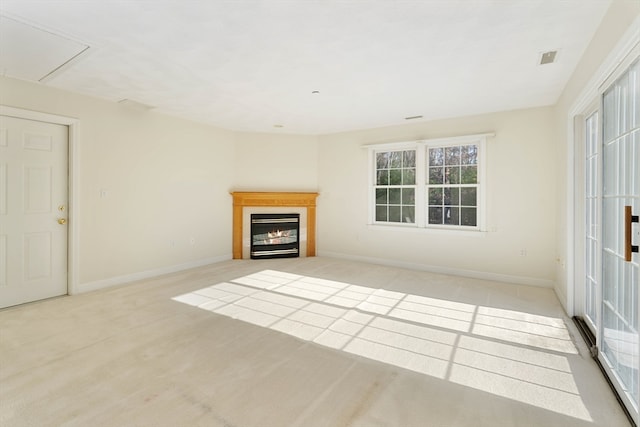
421	147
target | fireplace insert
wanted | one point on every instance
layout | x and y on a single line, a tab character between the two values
275	236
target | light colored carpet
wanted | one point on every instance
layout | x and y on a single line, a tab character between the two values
300	342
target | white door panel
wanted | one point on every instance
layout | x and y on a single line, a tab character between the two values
33	200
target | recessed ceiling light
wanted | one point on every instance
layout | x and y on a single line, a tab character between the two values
413	117
548	57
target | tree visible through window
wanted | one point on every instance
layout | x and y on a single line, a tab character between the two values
429	184
452	185
395	186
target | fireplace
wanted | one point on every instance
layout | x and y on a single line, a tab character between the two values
247	203
275	235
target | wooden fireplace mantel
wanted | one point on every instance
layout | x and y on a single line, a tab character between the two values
291	199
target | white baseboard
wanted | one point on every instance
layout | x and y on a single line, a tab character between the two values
121	280
482	275
562	297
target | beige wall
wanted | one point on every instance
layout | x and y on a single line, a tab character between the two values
521	177
167	180
618	20
275	162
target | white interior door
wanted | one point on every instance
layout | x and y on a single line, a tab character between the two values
33	210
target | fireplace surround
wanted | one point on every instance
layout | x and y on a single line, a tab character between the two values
246	203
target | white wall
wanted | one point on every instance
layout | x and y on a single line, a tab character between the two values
521	178
167	180
616	22
276	162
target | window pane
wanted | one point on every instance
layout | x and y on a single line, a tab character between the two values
468	196
435	196
469	174
436	175
469	154
408	196
382	177
436	157
395	214
435	215
396	159
449	184
468	216
452	155
382	160
408	176
409	160
408	214
452	196
381	213
451	215
452	175
395	177
609	103
394	196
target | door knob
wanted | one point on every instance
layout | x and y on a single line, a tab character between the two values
62	221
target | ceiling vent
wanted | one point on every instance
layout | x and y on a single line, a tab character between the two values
548	57
135	105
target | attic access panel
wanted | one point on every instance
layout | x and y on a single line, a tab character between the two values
31	53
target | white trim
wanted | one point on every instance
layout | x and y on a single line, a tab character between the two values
457	140
453	140
444	231
73	246
128	278
474	274
606	71
37	116
400	145
421	147
624	53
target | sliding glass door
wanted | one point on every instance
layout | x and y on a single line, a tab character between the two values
621	193
612	203
593	151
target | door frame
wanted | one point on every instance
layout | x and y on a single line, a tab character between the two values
613	65
626	51
73	124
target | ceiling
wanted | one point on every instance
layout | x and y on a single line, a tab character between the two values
302	66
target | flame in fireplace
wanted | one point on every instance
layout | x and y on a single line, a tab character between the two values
277	237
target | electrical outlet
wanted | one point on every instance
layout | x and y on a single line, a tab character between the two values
523	252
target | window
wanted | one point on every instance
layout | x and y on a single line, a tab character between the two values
396	186
428	184
452	185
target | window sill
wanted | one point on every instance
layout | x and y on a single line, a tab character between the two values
410	228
